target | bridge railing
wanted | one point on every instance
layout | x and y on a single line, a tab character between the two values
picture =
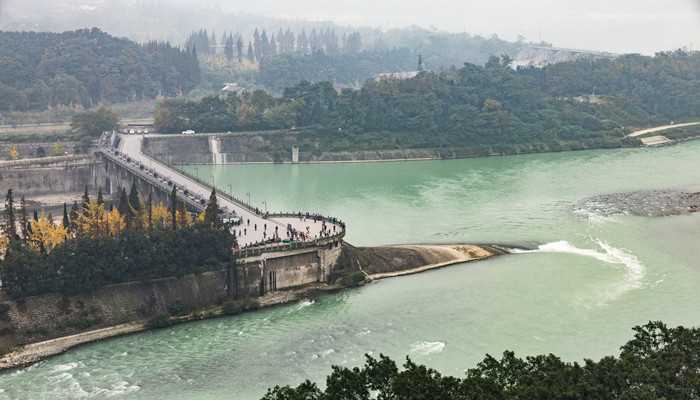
228	196
141	171
258	250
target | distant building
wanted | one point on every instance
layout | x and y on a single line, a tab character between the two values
540	56
400	76
233	88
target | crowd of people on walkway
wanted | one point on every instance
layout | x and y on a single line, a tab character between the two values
271	236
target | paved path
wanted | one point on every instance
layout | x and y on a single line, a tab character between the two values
254	229
661	128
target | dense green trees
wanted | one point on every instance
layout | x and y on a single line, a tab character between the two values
337	54
84	264
94	123
88	67
94	247
658	363
353	68
266	45
473	106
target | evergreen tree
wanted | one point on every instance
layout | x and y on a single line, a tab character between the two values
211	213
35	217
66	218
264	46
134	200
228	49
74	215
10	219
251	53
257	45
124	208
133	208
239	49
314	41
173	208
86	199
281	42
23	219
212	44
303	43
273	46
149	210
100	198
290	39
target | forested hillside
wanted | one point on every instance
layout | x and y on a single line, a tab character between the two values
87	67
286	57
584	101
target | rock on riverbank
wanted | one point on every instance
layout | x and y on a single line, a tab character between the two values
655	203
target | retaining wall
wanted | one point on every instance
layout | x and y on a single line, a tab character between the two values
49	316
30	181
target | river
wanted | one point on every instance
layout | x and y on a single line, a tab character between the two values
590	281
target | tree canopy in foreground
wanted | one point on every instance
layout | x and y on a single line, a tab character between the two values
658	363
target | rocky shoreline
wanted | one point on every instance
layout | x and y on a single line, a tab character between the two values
374	262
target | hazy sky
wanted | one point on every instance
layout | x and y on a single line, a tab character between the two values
616	25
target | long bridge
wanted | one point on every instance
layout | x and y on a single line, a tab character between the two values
256	232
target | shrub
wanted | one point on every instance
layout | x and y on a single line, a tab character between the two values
351	280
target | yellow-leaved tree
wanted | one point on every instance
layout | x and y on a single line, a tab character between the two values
4	242
160	217
116	224
46	235
93	221
58	149
13	153
184	218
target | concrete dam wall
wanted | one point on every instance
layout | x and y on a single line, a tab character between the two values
286	147
40	318
48	177
283	146
205	149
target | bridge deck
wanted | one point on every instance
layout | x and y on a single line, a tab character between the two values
255	228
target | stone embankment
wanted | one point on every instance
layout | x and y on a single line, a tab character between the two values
128	303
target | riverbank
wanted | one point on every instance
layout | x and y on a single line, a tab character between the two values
375	264
393	261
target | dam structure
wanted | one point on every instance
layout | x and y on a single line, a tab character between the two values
285	250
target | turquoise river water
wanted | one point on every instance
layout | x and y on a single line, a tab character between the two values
578	296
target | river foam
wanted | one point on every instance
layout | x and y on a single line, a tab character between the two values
427	348
634	269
